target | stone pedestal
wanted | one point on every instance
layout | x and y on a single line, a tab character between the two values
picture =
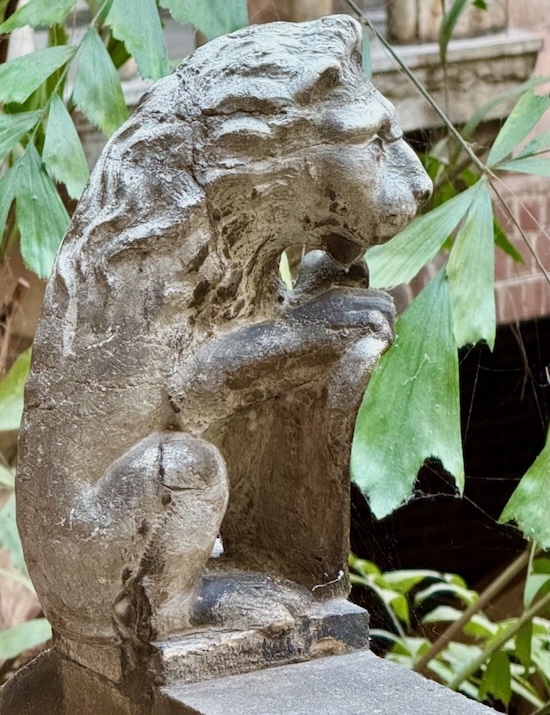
358	683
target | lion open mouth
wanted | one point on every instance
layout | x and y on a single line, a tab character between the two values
343	250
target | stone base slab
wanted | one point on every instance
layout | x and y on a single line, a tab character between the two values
358	683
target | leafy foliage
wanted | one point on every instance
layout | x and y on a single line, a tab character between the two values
29	634
41	216
63	154
128	18
471	273
38	12
523	119
400	260
529	505
13	128
486	660
20	77
9	536
11	393
389	451
418	376
211	17
97	90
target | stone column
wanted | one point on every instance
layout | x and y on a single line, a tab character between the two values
261	11
420	21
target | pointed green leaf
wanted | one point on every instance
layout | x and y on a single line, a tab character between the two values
284	270
29	634
212	17
41	217
522	649
38	12
529	165
479	626
501	240
541	565
11	393
117	52
7	477
97	91
442	613
471	273
398	603
533	586
63	153
137	24
418	376
529	505
57	35
7	195
497	678
479	115
20	77
537	145
437	589
403	580
9	535
363	566
13	128
399	260
522	120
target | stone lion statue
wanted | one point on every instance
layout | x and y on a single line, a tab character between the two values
178	390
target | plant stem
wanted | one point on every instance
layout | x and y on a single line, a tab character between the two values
421	666
544	710
503	638
420	87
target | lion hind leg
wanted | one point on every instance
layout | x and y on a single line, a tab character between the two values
149	524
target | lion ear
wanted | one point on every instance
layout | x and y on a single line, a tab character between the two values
319	81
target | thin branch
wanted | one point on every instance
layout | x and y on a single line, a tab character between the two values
516	567
419	86
501	640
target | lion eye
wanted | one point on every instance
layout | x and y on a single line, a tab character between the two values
376	145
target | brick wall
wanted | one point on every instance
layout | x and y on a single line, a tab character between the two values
523	289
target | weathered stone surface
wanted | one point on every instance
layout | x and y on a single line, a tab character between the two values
280	624
355	684
180	392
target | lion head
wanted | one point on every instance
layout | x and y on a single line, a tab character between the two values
264	138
